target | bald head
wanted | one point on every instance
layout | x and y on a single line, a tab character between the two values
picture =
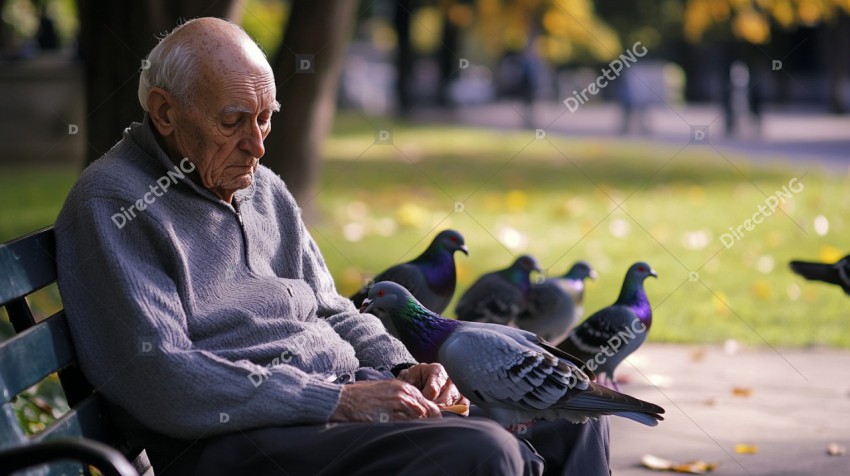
210	94
195	54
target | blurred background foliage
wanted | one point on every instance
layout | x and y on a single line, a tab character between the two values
561	30
609	201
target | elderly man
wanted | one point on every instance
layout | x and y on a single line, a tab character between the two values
203	311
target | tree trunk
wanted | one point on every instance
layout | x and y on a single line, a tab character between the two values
448	59
404	56
307	69
837	67
114	39
3	30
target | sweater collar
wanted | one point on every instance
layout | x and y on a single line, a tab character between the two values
143	135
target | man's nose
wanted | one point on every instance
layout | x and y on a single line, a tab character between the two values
253	143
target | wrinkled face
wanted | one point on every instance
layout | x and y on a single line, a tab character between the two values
223	128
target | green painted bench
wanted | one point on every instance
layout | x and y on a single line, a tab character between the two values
84	437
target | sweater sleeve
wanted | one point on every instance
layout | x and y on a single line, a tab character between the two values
129	327
374	346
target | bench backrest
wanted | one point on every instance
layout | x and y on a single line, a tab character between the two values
39	349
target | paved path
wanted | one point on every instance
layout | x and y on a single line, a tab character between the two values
799	403
787	135
793	403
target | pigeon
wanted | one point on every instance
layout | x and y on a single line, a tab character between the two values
499	296
607	337
555	304
511	374
836	273
431	277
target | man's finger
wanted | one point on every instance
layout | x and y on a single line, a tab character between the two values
436	383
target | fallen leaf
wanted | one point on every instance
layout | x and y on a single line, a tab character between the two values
830	254
742	391
656	463
746	449
711	401
698	354
834	449
691	467
694	467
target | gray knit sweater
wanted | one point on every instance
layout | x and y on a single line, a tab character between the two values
198	317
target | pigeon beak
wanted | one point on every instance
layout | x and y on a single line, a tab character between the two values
593	274
653	273
464	249
365	306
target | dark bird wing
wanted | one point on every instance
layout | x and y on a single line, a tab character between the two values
837	273
515	380
491	299
549	311
613	324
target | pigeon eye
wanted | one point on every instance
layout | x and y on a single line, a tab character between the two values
454	239
641	269
380	293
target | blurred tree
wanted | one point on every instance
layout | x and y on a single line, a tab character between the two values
404	58
561	31
116	36
3	29
114	39
751	21
307	69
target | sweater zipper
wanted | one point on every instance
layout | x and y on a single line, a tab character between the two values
242	229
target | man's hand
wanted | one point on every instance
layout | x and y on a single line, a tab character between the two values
434	383
378	399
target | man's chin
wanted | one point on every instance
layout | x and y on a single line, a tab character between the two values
244	181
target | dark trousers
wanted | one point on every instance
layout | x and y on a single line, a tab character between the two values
448	446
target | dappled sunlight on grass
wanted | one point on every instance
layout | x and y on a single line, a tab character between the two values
611	202
608	201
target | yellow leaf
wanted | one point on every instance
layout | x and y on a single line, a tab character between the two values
411	215
746	449
694	467
742	392
720	303
656	463
761	290
691	467
696	194
830	254
516	200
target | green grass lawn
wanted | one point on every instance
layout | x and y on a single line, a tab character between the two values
610	202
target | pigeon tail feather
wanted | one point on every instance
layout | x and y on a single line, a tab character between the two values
817	271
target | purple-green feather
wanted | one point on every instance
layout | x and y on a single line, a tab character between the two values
422	331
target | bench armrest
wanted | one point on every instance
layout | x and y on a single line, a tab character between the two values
107	460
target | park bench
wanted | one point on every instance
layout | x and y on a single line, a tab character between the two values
84	436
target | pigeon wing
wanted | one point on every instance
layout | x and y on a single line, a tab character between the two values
549	312
592	334
496	371
491	299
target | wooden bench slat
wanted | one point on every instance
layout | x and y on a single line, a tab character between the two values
27	264
32	355
88	419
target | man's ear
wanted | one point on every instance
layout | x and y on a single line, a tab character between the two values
160	109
